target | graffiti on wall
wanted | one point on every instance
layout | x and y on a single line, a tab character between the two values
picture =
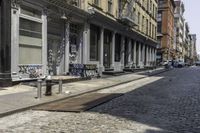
34	71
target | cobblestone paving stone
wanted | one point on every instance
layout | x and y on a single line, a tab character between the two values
169	105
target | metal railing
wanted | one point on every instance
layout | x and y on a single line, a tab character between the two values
64	3
127	13
130	16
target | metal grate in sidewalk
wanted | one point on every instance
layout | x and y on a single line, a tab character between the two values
80	103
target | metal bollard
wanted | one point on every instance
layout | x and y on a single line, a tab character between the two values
48	88
39	86
60	86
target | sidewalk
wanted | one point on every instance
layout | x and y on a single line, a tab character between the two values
21	97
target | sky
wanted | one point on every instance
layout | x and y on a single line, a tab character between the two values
192	16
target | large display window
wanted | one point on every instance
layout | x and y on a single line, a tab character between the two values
30	36
94	42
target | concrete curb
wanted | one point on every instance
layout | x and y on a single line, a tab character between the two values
74	95
159	72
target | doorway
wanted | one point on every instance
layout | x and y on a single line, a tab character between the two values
126	54
137	54
56	46
107	49
75	44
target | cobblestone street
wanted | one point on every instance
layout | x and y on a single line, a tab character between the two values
166	103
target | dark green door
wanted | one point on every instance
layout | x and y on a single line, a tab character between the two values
107	55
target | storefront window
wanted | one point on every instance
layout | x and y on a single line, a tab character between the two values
30	40
30	28
96	2
117	47
94	43
30	12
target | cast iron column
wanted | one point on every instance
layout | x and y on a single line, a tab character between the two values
135	53
5	43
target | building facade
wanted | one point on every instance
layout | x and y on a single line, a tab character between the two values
166	50
46	36
179	25
186	44
193	51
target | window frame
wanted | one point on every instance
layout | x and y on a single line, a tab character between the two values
96	2
118	40
35	20
110	10
96	43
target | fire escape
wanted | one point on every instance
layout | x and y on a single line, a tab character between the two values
63	3
127	12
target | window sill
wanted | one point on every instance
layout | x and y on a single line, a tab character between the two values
96	6
94	60
110	14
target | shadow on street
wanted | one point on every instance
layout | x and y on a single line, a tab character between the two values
171	104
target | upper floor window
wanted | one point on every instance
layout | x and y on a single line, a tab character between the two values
143	3
159	17
159	27
156	11
139	21
143	24
152	31
94	42
161	3
138	18
150	28
150	7
30	36
76	3
96	2
147	26
153	12
110	4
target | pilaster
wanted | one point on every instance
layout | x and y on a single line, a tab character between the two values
113	50
67	47
147	55
122	52
14	39
101	66
139	54
134	52
86	43
44	42
143	54
129	52
5	46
